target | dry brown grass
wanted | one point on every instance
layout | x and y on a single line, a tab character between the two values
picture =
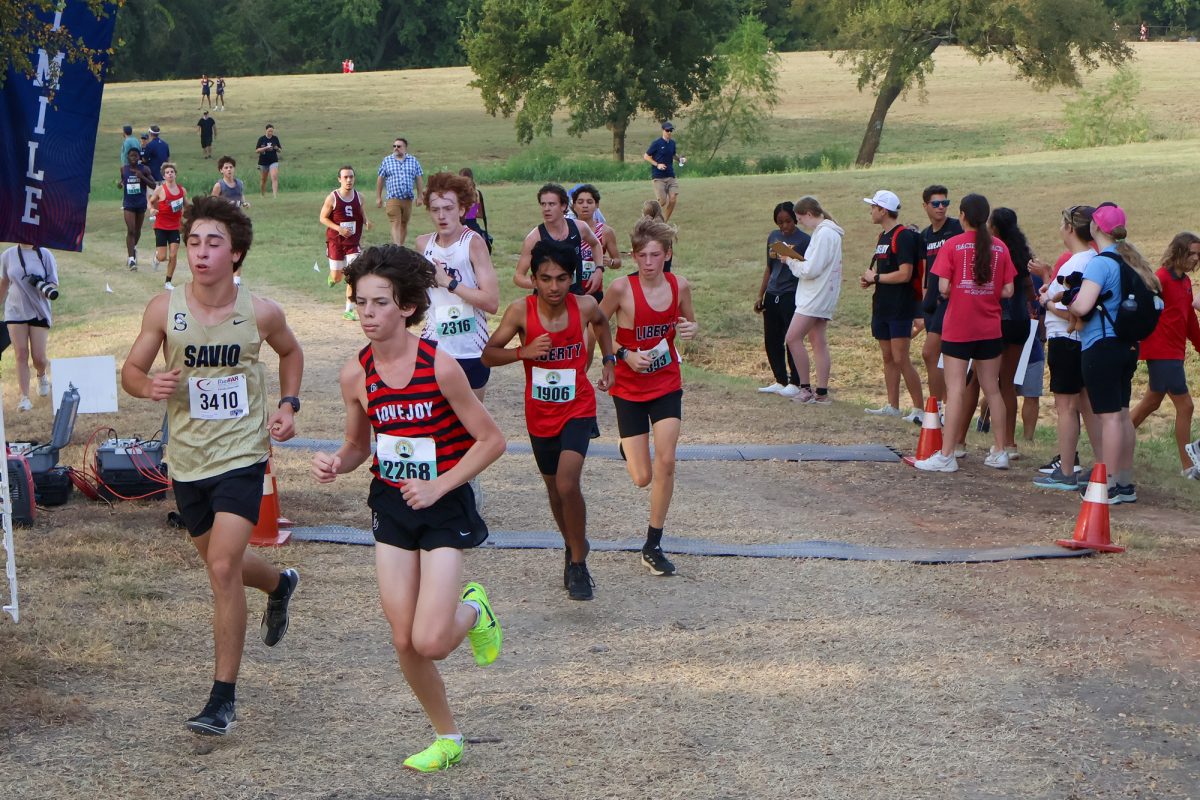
741	678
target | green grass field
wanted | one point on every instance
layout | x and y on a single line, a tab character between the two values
981	130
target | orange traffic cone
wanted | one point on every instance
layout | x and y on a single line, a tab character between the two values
1091	528
930	440
267	532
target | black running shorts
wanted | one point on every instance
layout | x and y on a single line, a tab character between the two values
574	436
1108	367
981	350
452	521
238	491
1066	370
636	418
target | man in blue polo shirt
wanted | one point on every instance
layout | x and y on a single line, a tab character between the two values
662	158
401	174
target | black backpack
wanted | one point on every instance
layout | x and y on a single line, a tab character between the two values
1140	307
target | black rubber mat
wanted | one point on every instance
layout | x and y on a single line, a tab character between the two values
840	551
697	452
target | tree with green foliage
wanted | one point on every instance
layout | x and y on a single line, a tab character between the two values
23	33
890	43
747	72
603	62
184	38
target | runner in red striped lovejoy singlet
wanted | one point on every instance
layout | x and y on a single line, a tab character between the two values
432	435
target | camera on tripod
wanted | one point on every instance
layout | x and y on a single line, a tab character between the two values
49	290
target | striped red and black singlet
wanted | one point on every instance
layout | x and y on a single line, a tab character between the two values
418	410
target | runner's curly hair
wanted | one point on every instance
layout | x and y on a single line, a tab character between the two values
218	209
444	182
410	273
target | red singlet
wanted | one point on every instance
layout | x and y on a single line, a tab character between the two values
417	434
170	210
652	330
559	389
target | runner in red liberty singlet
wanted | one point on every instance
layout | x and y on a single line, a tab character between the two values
651	308
344	218
560	404
167	200
432	435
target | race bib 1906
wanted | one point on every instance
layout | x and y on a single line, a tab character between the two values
223	397
553	385
660	356
403	459
454	320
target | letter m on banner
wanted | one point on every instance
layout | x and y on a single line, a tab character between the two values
48	126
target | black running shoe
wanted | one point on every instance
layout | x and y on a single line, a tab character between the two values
1056	464
275	619
217	718
579	582
656	562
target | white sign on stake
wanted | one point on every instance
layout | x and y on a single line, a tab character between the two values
10	561
94	376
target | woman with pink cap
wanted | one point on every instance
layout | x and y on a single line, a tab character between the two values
1108	360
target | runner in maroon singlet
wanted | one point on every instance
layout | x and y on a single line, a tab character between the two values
651	308
432	435
345	220
560	404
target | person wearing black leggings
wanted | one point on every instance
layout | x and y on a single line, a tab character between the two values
776	301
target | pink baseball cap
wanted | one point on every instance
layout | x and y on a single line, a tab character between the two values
1109	217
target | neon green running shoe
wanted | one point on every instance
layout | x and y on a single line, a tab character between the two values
350	315
486	636
330	282
442	754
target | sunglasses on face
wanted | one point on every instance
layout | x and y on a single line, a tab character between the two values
940	203
397	147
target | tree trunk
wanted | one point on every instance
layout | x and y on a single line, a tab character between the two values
618	140
894	82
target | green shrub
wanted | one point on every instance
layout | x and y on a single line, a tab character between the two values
1109	115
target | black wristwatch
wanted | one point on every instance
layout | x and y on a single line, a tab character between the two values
876	278
294	402
450	287
611	358
621	353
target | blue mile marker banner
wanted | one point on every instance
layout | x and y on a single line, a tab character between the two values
47	144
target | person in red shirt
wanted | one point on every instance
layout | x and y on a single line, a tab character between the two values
1164	350
557	329
974	273
651	307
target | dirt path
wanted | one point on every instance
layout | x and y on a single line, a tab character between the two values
739	678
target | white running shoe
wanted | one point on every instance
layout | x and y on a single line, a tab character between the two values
43	385
996	459
937	463
1193	451
24	405
914	416
1191	473
132	264
960	451
1013	453
772	389
170	287
789	391
888	410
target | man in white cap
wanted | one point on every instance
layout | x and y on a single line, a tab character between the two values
895	302
661	156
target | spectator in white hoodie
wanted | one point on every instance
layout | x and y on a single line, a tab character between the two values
820	283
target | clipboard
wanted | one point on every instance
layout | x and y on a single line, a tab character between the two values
785	250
